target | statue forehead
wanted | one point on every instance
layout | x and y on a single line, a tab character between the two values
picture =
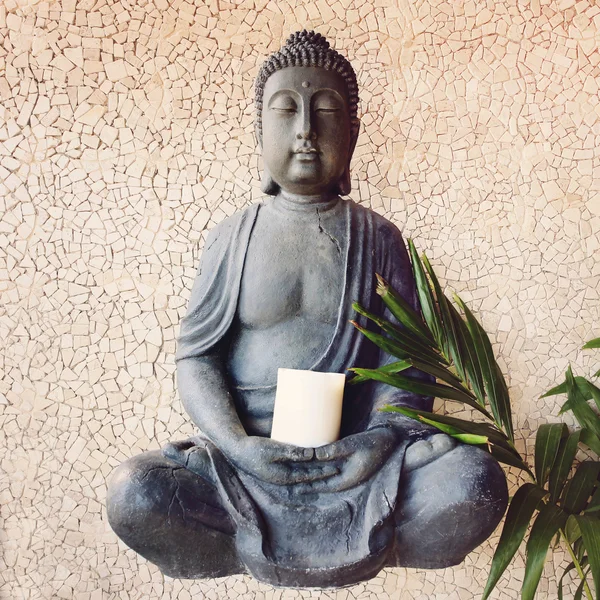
305	80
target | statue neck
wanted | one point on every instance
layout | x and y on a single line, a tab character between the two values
296	202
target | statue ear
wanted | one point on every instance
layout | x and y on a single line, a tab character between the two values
268	184
345	184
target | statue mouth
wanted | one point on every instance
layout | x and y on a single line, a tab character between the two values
307	153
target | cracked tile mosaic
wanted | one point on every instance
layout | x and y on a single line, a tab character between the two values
126	133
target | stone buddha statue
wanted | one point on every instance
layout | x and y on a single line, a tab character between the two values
275	289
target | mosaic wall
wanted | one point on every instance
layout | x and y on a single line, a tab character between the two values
126	133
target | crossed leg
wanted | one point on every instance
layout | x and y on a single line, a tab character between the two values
175	519
448	507
172	517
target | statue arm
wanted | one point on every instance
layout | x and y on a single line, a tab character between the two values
205	395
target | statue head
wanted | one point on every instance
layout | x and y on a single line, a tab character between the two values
306	119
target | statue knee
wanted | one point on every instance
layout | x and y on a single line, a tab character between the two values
137	490
449	507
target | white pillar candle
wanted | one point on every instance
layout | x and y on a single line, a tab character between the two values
308	407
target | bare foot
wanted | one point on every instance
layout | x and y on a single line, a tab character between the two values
423	452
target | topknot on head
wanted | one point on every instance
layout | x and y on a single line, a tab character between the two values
306	37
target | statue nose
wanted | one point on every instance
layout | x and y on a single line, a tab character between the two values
307	135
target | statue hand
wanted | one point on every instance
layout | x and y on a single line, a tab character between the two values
423	452
278	463
357	456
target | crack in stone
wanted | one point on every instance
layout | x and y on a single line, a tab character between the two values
154	469
176	497
334	240
351	511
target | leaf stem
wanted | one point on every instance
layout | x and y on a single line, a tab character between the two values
586	587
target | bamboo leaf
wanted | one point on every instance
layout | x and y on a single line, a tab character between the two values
408	341
563	463
581	409
448	325
549	520
547	442
395	367
418	387
400	308
595	343
493	380
597	374
590	532
579	489
521	508
468	354
428	306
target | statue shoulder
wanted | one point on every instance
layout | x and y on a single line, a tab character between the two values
386	232
231	225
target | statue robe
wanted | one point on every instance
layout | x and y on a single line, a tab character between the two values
285	537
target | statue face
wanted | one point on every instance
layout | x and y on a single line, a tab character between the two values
306	129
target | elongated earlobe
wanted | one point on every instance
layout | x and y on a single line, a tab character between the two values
344	184
268	185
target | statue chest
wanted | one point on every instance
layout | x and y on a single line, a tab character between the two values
294	268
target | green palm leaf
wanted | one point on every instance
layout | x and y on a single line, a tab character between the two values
395	367
547	442
428	306
594	503
563	463
590	531
579	489
549	520
581	409
494	382
595	343
562	389
567	570
471	362
408	341
590	440
521	508
419	387
415	386
508	457
403	311
448	326
443	374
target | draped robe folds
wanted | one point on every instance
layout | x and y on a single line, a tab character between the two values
283	536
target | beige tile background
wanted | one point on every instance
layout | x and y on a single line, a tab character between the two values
126	132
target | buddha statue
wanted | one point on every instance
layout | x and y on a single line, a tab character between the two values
275	289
